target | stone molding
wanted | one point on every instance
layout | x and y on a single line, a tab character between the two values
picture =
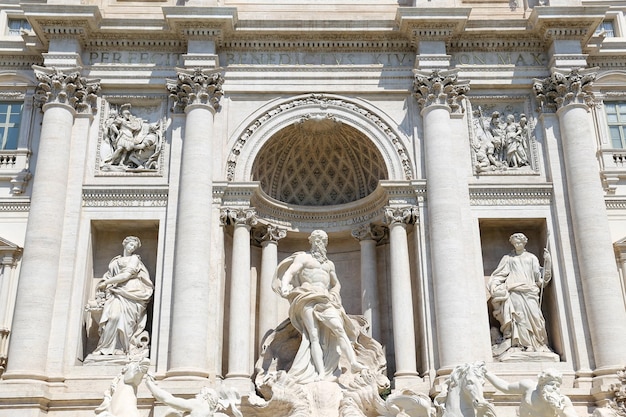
502	43
439	87
566	23
433	23
496	195
125	197
57	86
344	110
368	232
196	86
15	206
330	218
565	88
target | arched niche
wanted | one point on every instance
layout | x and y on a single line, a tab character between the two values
356	114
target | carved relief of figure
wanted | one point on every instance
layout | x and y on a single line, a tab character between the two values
136	144
207	403
516	287
539	399
499	145
309	281
123	293
120	400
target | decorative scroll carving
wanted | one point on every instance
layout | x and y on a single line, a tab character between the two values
369	232
196	86
501	143
269	233
238	216
440	87
562	89
136	145
401	215
56	86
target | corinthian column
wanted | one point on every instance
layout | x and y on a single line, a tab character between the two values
197	92
397	218
368	235
62	95
570	94
240	317
459	294
268	300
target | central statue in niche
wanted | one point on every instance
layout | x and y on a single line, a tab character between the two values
309	281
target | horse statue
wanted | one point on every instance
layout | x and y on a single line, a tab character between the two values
463	393
120	400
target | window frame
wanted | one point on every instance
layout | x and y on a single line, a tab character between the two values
16	128
620	123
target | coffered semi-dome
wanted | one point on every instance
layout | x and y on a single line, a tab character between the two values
319	162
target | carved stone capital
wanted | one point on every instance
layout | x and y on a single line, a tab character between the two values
368	232
439	87
562	89
56	86
269	233
400	215
196	86
238	217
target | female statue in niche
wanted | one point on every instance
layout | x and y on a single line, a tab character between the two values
516	288
126	290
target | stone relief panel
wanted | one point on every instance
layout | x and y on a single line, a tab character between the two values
132	137
502	139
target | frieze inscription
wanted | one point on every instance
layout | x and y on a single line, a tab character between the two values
402	59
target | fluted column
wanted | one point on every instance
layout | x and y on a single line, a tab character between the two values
368	235
197	92
62	95
240	322
457	292
8	286
268	300
570	94
397	218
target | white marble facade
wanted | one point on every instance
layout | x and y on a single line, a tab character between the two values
418	135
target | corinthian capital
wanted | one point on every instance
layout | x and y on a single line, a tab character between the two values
439	87
196	86
561	89
269	233
56	86
238	216
400	215
368	232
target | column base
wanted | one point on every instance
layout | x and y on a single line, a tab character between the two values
187	373
240	383
406	380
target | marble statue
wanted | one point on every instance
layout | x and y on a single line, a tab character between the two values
136	144
539	399
463	393
120	400
320	361
498	144
616	406
516	288
207	403
120	305
308	280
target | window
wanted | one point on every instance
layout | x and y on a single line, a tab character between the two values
17	25
607	27
10	116
616	115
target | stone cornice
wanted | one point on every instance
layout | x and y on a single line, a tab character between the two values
432	23
61	20
210	23
501	195
496	43
573	23
125	197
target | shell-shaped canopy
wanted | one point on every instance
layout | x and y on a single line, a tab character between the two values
319	162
